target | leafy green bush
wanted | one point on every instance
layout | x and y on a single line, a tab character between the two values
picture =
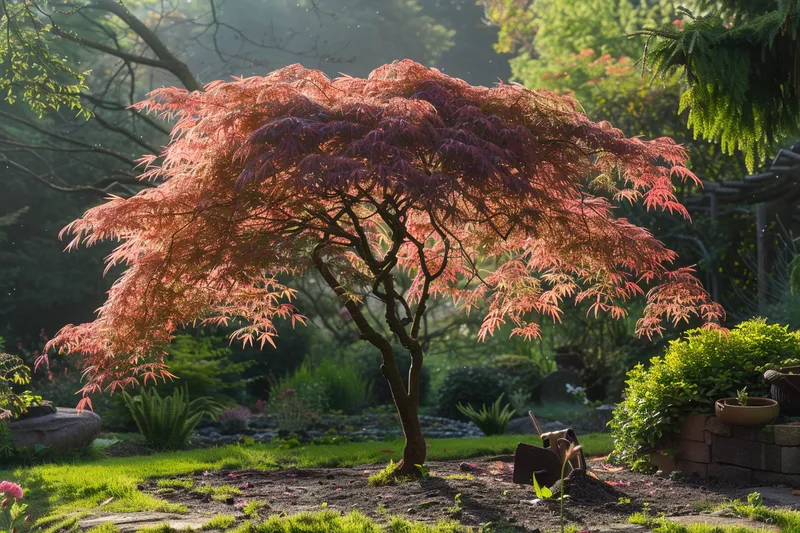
694	372
518	371
166	423
204	363
475	385
14	373
339	386
492	420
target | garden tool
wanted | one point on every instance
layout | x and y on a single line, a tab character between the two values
546	462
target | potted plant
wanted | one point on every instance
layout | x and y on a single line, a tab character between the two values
746	411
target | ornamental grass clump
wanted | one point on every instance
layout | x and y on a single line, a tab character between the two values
502	200
492	420
695	371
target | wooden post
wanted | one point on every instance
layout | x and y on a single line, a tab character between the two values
762	251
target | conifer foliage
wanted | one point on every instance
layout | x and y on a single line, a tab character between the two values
742	72
501	199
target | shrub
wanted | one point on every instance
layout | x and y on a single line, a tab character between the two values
204	363
518	372
14	372
476	385
234	419
291	411
166	423
492	420
339	386
693	373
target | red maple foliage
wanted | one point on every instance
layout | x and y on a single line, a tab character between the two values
502	199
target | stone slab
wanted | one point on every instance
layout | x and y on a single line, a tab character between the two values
663	463
66	430
131	522
723	522
746	453
715	427
787	434
784	497
693	428
776	478
698	452
693	468
790	459
734	474
763	434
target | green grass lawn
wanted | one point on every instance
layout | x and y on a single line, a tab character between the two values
82	485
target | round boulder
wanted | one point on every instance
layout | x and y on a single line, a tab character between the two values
66	430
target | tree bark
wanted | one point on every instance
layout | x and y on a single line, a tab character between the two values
407	405
406	401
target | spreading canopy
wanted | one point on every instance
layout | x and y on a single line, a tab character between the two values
502	199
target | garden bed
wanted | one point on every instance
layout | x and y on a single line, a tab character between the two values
471	492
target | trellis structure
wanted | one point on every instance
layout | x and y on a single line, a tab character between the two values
775	196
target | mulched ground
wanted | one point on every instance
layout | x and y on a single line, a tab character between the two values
487	494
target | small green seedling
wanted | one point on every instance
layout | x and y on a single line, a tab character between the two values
755	499
457	507
543	493
741	396
624	501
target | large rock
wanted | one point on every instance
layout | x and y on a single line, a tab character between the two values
66	430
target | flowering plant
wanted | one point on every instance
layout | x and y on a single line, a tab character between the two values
11	510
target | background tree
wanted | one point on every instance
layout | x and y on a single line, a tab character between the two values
739	62
360	179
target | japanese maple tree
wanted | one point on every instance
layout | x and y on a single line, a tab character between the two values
502	199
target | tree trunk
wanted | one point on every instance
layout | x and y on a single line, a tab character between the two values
415	449
407	406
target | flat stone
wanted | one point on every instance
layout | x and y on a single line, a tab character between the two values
763	434
67	430
787	435
691	467
698	452
129	522
693	428
735	474
663	463
775	495
776	478
790	460
723	521
714	426
746	453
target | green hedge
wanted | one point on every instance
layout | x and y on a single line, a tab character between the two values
694	372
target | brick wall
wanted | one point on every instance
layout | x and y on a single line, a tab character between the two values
752	454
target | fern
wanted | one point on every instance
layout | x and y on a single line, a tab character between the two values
166	423
491	421
742	82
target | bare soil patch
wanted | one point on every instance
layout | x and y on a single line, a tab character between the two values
487	494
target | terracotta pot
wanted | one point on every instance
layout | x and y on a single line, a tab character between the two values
757	412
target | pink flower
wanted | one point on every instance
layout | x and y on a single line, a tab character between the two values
12	489
240	505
